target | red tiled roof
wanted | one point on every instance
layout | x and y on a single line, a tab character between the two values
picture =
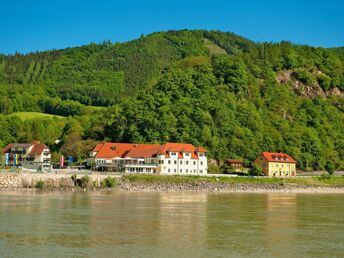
37	149
9	146
237	161
98	147
142	152
278	157
122	150
180	147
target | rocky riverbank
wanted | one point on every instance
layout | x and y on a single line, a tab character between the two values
144	183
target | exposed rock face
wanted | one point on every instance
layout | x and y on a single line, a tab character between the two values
307	90
335	92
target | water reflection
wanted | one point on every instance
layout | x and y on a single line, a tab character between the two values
170	225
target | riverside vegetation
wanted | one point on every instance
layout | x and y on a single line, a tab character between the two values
226	93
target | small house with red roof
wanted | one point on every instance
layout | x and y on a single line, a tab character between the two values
235	163
168	158
276	164
17	154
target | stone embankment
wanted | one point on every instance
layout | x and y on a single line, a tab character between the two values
22	181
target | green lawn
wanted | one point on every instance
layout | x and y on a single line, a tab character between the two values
304	181
32	115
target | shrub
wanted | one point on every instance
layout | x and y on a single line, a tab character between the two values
108	182
95	184
329	166
324	82
304	76
40	184
85	181
324	176
255	170
74	177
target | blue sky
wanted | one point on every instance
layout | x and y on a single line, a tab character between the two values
41	25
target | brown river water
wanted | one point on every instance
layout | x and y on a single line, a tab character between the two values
111	224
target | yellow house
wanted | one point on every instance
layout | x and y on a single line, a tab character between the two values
276	164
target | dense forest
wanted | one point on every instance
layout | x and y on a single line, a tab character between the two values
231	95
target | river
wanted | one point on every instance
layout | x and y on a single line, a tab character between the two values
111	224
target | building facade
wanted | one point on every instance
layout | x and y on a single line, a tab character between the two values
19	154
165	159
276	164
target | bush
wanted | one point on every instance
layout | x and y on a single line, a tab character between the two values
324	82
329	166
40	184
74	177
108	182
85	181
304	76
324	176
255	170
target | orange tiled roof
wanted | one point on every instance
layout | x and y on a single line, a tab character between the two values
237	161
278	157
122	150
143	152
37	149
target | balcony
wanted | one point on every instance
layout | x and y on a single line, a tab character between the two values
151	165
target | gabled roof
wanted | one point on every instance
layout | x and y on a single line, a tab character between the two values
142	152
278	157
98	147
37	149
125	150
177	147
237	161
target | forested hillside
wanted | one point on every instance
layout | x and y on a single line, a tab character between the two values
210	88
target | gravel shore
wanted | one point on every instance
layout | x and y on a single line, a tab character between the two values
205	187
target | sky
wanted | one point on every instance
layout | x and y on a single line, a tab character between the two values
32	25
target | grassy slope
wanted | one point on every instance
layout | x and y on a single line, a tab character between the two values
334	181
32	115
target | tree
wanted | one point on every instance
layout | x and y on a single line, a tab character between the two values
329	166
255	170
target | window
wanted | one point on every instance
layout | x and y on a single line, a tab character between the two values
181	170
169	170
169	162
175	170
276	165
194	162
187	170
187	162
181	162
201	162
201	171
175	162
187	154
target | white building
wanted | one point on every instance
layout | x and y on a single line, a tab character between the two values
166	159
18	154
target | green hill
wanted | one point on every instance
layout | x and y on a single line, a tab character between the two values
211	88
